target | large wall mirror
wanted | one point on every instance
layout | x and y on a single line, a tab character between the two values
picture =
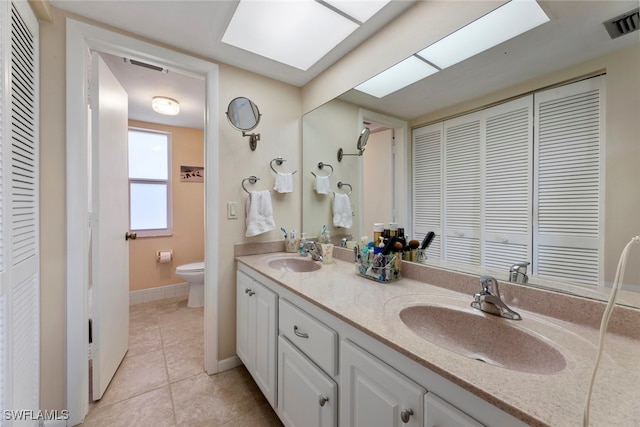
381	176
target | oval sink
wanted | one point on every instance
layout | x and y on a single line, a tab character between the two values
297	265
487	338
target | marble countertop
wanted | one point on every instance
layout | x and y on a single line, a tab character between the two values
545	399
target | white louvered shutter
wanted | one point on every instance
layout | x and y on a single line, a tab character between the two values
508	151
462	193
569	130
427	186
19	209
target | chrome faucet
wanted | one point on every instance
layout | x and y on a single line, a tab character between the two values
312	249
489	301
518	272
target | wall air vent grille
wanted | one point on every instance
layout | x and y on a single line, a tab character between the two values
623	24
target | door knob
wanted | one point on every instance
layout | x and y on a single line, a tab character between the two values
132	236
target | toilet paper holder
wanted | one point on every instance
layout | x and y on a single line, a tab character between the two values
164	256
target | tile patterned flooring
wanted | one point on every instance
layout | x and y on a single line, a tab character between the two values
161	381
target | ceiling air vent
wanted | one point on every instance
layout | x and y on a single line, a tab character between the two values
623	24
145	65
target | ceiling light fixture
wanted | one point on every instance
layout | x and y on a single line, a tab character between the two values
296	33
498	26
164	105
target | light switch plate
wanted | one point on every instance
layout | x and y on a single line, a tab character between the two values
232	210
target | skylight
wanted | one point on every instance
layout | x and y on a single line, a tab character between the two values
297	33
395	78
502	24
498	26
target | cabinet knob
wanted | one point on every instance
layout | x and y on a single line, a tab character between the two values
323	400
298	333
405	415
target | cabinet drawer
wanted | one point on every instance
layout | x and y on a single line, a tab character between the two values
317	341
438	412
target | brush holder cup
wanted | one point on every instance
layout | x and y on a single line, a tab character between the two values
381	268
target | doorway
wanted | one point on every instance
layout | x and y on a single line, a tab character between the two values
82	38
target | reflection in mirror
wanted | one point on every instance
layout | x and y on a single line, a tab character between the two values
378	180
335	124
362	143
244	115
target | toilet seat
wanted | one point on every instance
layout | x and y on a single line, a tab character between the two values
194	267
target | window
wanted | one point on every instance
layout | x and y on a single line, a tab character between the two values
149	182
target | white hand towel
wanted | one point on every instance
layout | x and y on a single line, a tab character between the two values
322	184
259	213
284	182
342	216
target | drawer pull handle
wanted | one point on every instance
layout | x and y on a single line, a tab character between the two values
323	400
298	333
405	415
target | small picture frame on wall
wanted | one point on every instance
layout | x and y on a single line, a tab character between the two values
191	174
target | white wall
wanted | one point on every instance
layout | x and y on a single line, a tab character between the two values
325	130
378	184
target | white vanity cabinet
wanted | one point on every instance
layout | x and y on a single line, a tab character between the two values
439	413
317	370
375	395
307	397
307	356
256	332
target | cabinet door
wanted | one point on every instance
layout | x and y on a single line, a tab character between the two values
307	397
264	335
244	318
439	413
374	394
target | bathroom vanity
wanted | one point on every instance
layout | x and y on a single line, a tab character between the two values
328	348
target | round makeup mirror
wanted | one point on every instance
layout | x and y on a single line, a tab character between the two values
362	140
244	115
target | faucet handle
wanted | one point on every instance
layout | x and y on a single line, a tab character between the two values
489	285
520	267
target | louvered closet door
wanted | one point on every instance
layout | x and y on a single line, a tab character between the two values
427	186
462	193
19	216
569	129
508	130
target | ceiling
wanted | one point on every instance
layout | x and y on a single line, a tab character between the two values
575	34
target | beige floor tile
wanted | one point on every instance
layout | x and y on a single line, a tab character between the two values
152	409
205	400
184	360
261	416
144	340
136	375
181	332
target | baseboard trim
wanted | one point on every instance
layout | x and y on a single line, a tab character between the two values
54	423
161	292
230	363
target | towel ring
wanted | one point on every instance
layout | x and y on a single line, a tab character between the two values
341	184
279	161
322	165
252	179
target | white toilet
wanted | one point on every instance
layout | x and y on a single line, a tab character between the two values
193	274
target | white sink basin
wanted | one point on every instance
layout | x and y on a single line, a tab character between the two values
295	264
487	338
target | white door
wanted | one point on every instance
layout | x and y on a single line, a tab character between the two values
109	224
